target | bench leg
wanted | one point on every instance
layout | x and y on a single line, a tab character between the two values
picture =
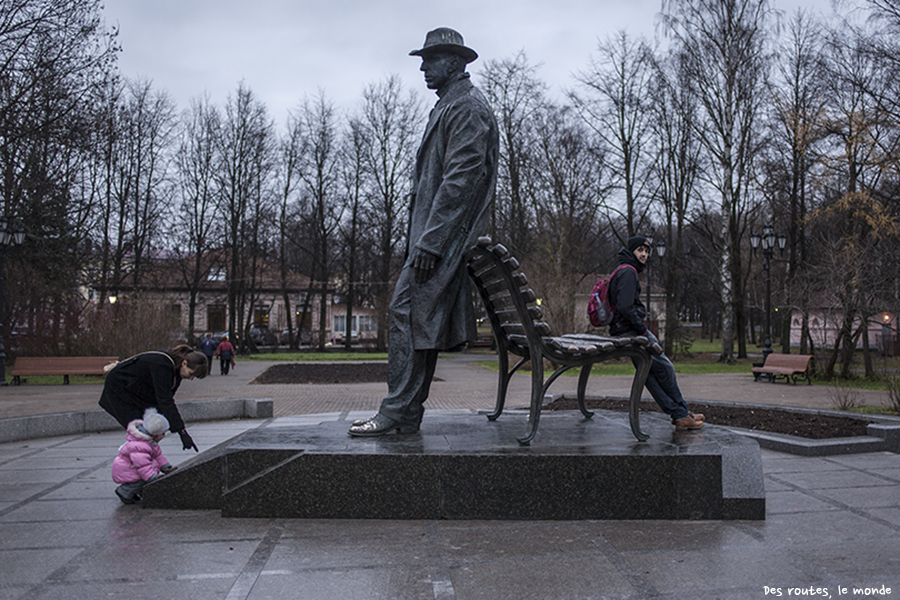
642	370
804	375
502	384
582	388
503	387
537	399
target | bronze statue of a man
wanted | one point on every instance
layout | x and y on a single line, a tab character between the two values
453	185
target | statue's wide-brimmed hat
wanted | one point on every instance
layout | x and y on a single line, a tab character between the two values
444	39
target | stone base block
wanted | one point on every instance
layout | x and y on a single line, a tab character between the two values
466	467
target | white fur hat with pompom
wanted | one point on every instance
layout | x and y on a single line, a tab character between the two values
154	423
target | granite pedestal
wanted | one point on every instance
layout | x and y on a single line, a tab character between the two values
462	466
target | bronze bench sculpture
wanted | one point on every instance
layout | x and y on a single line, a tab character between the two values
516	322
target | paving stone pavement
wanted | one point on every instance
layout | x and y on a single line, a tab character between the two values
832	523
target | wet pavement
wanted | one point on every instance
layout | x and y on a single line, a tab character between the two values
831	527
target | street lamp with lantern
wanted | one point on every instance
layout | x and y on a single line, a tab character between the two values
8	237
661	251
768	239
887	336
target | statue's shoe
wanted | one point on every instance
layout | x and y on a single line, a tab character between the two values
380	425
363	421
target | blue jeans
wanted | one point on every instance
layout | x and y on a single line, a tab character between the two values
662	385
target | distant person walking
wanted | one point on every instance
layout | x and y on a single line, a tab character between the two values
150	380
208	348
225	352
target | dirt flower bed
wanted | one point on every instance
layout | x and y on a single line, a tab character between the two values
777	421
324	373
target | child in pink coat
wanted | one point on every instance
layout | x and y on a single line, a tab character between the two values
140	458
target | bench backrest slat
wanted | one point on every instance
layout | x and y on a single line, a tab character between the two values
62	365
510	304
790	361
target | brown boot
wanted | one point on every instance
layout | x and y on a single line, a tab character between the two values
688	423
694	416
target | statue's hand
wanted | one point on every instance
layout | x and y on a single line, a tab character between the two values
423	264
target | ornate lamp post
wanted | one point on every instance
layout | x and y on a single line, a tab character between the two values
661	251
767	239
7	237
649	238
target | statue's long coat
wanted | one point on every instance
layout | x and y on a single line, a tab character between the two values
454	182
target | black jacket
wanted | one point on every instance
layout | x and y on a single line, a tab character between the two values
142	381
625	297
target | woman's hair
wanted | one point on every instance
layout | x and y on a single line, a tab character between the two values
196	360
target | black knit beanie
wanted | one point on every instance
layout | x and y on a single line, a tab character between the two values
636	242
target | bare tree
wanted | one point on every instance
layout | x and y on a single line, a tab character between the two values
141	183
566	202
678	166
287	182
885	48
101	174
616	88
724	42
243	147
55	55
797	104
517	97
319	172
862	142
195	216
355	179
390	118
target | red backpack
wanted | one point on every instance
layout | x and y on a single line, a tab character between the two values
599	310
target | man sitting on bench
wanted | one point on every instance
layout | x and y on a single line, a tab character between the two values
628	319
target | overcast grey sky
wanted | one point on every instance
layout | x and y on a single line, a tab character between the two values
284	50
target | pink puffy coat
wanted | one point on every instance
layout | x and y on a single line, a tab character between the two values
140	458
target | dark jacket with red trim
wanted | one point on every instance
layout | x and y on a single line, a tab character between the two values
625	297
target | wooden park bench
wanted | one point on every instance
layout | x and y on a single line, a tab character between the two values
516	322
791	366
59	365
